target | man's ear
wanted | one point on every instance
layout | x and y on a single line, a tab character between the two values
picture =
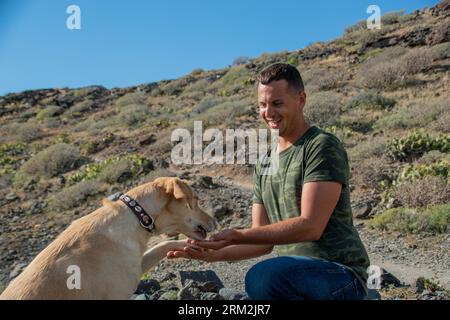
302	99
177	188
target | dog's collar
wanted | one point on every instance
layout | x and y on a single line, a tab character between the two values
146	220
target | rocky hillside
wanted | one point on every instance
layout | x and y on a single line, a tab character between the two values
384	93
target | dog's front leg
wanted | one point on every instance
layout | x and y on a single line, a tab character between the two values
155	254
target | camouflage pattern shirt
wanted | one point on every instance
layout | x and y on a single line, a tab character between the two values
316	156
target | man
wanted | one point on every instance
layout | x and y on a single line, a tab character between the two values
303	209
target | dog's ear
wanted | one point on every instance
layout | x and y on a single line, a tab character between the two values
177	188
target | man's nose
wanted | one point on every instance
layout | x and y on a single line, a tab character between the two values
270	112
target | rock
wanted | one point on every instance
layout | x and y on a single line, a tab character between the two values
388	279
11	196
419	285
169	295
142	297
148	286
219	211
190	291
362	211
115	196
231	294
17	270
169	276
210	296
204	182
145	141
210	286
199	277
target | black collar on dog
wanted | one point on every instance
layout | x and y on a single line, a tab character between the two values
145	219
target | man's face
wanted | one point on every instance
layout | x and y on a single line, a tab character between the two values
280	107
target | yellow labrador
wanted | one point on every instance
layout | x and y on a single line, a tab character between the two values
103	254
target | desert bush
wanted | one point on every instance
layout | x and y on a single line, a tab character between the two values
432	219
133	114
81	107
442	124
98	144
422	192
134	98
49	112
75	195
323	109
199	86
392	17
370	100
414	115
318	78
416	144
373	173
415	60
50	162
360	25
384	75
433	157
371	147
441	51
28	132
136	165
207	103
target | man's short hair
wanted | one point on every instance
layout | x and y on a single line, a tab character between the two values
280	71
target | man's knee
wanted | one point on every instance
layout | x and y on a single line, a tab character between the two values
264	281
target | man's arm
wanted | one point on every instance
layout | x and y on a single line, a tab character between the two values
234	252
317	204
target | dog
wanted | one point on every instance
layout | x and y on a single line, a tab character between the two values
103	254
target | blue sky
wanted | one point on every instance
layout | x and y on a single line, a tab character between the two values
123	43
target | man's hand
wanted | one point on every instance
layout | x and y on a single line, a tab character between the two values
191	251
220	240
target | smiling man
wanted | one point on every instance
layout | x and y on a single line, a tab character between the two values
303	210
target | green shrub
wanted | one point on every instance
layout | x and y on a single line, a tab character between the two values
414	115
76	195
323	109
293	59
133	114
136	165
416	171
371	100
10	156
50	162
134	98
422	192
81	107
432	219
416	144
98	144
49	112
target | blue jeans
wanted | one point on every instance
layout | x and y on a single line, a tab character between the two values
301	278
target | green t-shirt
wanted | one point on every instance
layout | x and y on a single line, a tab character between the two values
316	156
